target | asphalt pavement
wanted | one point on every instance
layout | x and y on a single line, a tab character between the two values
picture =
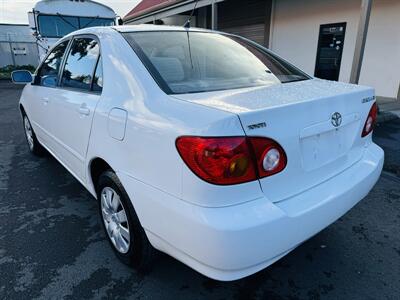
52	245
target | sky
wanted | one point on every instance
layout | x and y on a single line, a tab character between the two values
16	11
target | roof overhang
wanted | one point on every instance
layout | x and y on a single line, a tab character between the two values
173	9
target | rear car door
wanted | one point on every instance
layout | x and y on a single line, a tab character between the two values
42	90
73	108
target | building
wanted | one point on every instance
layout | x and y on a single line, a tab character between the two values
325	38
17	46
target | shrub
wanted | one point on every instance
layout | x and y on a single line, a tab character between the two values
5	72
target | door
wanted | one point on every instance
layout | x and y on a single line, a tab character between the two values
329	52
73	109
44	87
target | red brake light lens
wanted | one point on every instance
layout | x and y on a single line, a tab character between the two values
371	120
231	160
217	160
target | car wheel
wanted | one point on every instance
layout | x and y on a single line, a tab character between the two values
121	224
34	146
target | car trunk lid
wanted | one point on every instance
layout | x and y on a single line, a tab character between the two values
317	122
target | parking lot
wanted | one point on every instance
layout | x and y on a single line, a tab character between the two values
52	245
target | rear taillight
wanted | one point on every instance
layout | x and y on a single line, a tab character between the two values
370	122
231	160
270	156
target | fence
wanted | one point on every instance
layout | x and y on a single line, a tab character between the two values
18	50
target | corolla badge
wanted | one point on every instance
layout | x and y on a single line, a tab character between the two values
256	126
336	119
368	99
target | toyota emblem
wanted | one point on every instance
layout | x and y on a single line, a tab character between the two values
336	119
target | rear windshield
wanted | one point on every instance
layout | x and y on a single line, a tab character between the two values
191	62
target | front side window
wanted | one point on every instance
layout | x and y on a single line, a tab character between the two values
48	72
191	62
79	66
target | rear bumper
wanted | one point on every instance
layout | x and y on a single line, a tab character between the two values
232	242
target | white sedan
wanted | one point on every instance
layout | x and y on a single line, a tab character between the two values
200	144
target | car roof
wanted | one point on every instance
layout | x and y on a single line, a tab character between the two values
136	28
151	27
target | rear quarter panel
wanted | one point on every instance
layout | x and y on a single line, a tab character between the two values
147	154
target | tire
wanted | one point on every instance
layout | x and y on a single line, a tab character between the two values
34	146
135	251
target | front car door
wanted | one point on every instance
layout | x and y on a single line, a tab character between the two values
74	106
39	94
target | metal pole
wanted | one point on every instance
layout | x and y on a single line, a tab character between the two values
272	23
268	23
214	16
360	41
11	49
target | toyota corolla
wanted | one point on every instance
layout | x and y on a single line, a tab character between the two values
203	145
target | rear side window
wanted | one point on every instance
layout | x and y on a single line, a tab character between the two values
98	77
80	64
48	72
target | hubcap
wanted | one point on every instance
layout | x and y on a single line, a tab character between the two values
28	132
115	219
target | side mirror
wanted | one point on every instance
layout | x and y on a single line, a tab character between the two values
120	21
21	77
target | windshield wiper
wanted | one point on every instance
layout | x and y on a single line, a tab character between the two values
66	21
90	22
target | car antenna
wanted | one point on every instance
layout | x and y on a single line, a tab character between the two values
187	23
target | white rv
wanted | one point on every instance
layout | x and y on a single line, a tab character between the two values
52	19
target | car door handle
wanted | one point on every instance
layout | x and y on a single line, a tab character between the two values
83	110
45	101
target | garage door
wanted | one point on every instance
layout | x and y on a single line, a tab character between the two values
247	18
254	32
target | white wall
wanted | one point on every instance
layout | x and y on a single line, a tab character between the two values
381	65
295	30
16	33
